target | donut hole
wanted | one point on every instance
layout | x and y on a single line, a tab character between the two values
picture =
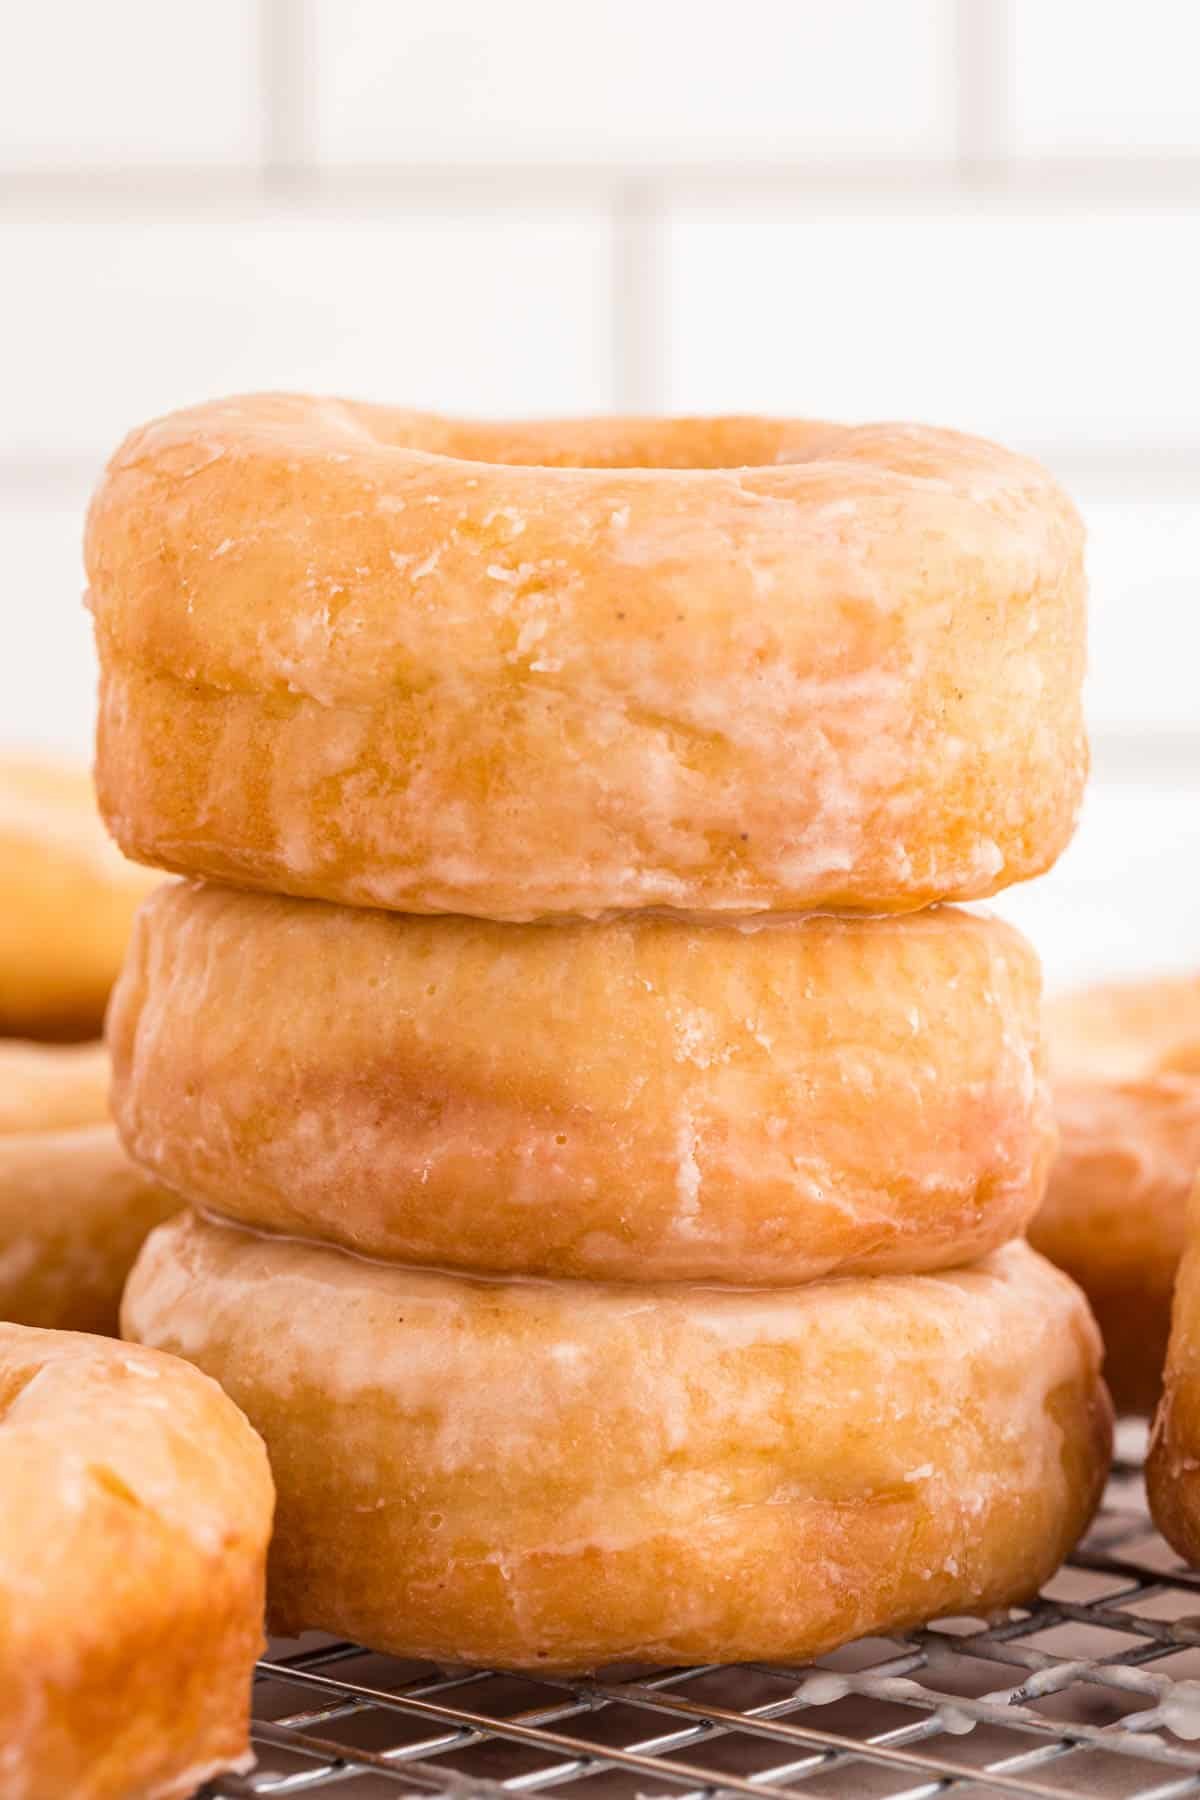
730	442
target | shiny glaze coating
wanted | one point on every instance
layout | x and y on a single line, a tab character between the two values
1126	1062
135	1507
641	1099
561	1474
515	670
1173	1465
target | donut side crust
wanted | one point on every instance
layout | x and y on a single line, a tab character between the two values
543	1475
346	655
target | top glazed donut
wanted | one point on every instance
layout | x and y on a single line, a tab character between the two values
516	670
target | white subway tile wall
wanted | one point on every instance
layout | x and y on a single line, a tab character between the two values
983	212
1144	557
1123	900
1040	330
47	666
1103	78
114	323
622	81
129	82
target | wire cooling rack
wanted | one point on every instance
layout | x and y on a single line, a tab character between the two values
1094	1690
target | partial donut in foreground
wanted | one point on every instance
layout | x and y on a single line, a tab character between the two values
640	1099
67	899
73	1208
560	1474
135	1507
1126	1057
515	670
1173	1465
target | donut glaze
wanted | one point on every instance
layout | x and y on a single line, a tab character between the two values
1127	1097
515	670
640	1099
1173	1465
67	899
135	1507
558	1474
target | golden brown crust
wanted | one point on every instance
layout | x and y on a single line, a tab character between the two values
73	1208
1129	1121
1114	1214
381	658
74	1212
66	902
636	1100
1125	1030
544	1474
1173	1466
135	1507
52	1087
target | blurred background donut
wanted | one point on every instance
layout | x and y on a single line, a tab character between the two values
1125	1067
67	900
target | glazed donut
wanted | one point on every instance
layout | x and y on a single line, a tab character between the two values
1173	1465
67	898
643	1099
73	1208
135	1507
711	665
1129	1121
1125	1030
52	1087
560	1474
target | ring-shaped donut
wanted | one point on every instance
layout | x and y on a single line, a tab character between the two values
712	665
1173	1465
67	899
639	1099
1126	1062
560	1474
135	1507
73	1208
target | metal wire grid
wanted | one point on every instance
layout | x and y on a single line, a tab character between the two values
1093	1691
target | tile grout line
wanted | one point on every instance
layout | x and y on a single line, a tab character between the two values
983	76
1148	756
637	316
1037	185
287	125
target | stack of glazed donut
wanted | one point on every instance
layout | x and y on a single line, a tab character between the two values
608	1151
